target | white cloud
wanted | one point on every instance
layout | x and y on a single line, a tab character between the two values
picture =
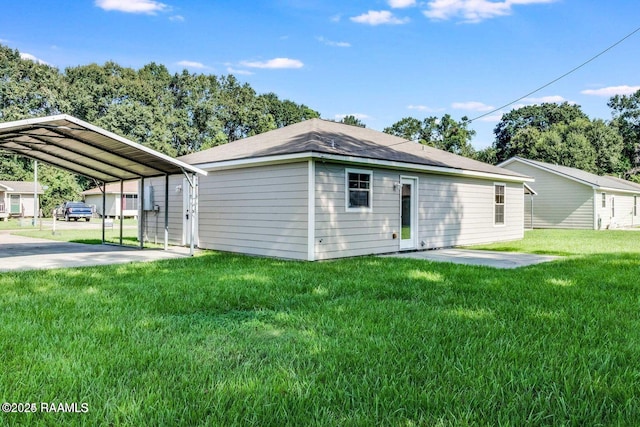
332	43
373	17
473	11
192	64
399	4
472	106
556	99
424	108
275	63
239	72
30	57
132	6
612	91
176	18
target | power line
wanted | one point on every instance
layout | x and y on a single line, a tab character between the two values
559	78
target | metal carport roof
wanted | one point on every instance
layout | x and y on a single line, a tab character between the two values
82	148
85	149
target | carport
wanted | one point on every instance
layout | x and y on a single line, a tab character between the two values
82	148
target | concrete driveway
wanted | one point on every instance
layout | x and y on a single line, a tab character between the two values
476	257
27	253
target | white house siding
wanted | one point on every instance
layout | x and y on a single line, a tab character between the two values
623	203
154	221
452	211
342	234
258	210
561	202
113	205
457	211
25	205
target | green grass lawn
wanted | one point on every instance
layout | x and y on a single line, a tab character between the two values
88	236
224	339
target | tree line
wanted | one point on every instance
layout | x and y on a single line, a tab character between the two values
182	113
175	114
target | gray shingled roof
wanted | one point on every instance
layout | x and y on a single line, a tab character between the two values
19	187
589	178
326	137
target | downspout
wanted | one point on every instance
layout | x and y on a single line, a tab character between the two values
531	208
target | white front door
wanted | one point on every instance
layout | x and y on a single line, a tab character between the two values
408	213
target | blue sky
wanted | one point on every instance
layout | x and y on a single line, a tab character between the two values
380	60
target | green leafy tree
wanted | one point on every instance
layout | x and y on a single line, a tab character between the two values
444	133
60	186
593	146
626	116
352	120
286	112
540	117
175	114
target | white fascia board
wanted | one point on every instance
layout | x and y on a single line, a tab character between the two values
617	190
389	164
440	170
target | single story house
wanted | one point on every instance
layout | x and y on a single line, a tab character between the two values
572	198
114	199
17	198
318	190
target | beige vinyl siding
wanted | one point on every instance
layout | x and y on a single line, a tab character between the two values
452	211
154	221
26	205
339	233
623	210
561	202
457	211
113	205
258	210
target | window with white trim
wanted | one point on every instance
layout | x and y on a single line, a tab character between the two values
130	202
635	205
604	200
358	194
499	196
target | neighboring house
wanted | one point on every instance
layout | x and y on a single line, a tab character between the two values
16	198
128	200
572	198
318	190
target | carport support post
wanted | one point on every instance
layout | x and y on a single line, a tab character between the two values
121	209
104	204
141	221
166	212
194	208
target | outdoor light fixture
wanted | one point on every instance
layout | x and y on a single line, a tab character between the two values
178	188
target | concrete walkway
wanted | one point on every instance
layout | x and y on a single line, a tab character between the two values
477	257
27	253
